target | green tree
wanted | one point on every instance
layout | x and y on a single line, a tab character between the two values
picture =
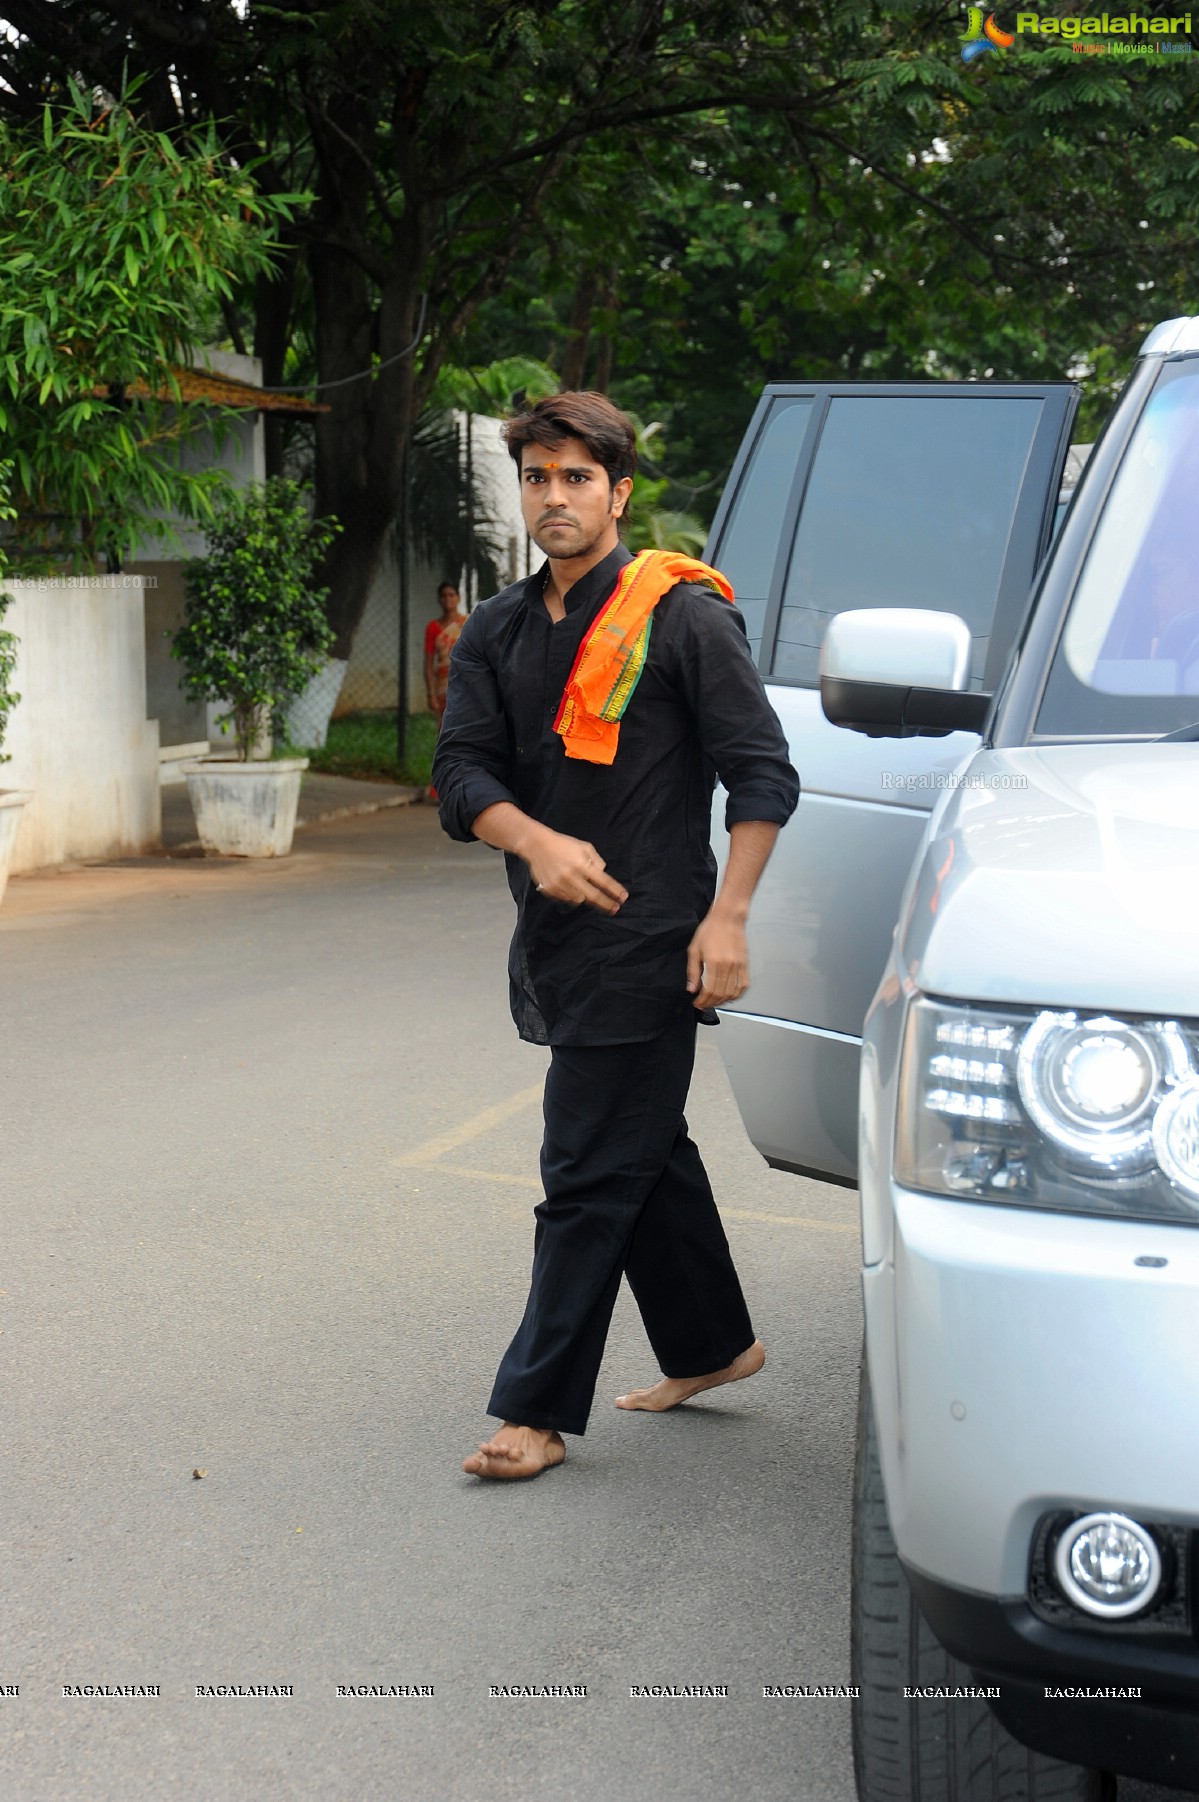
8	662
110	237
671	202
448	514
1028	216
438	142
254	630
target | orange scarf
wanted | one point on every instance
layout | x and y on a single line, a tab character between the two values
612	655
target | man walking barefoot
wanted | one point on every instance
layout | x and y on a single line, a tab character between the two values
591	707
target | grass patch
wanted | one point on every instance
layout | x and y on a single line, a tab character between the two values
364	745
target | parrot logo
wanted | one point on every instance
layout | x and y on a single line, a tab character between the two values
983	34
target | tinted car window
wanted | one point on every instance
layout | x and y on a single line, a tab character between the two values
1134	625
909	504
1129	655
750	542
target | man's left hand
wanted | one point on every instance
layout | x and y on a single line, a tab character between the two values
717	962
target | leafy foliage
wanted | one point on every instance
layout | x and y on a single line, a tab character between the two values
495	388
445	522
672	203
8	662
907	217
110	236
439	143
254	630
8	640
652	526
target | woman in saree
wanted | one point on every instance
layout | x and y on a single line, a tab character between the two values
441	635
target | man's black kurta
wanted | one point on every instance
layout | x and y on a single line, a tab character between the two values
580	977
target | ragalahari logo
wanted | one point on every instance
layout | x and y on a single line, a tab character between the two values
982	34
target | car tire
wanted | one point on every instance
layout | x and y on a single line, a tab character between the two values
945	1750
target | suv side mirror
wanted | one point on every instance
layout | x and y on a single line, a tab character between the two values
899	672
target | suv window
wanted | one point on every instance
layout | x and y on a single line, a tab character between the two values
1130	651
749	546
910	503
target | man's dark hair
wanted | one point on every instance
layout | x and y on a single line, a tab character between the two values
607	432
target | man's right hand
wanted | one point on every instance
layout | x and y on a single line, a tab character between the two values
569	869
564	868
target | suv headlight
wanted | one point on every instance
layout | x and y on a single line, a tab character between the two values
1046	1109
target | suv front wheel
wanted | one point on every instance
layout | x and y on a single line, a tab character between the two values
949	1749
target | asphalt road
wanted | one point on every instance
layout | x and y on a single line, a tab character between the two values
268	1159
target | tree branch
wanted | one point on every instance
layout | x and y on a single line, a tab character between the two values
997	261
612	120
382	199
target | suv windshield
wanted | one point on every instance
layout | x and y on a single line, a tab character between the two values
1128	660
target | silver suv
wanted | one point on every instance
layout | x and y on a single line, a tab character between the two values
987	907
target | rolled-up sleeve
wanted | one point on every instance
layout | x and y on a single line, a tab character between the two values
738	728
472	764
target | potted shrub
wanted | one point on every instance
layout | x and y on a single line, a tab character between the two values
254	632
12	800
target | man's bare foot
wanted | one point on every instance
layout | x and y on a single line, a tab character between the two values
516	1452
673	1390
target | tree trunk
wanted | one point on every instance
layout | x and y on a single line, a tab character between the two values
360	441
578	332
272	326
604	350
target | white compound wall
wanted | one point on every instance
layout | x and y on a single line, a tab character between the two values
79	738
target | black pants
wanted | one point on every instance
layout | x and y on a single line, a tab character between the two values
625	1191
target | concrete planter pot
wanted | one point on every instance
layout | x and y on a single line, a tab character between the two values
245	809
12	800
